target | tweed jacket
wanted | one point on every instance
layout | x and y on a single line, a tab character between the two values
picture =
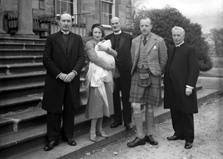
157	51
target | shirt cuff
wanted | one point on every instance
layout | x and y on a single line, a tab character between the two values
58	75
75	72
189	87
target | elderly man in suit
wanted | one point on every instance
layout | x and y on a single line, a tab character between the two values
180	80
63	59
149	55
121	42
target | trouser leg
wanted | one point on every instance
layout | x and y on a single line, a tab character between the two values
177	122
53	125
68	115
138	119
117	102
127	111
188	122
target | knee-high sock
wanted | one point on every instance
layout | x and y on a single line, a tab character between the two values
149	118
138	119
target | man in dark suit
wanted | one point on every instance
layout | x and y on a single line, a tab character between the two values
121	42
149	55
180	79
63	59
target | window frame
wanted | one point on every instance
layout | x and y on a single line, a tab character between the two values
68	2
112	2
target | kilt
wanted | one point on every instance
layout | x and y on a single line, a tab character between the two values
150	95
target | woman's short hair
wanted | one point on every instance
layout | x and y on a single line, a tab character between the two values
97	25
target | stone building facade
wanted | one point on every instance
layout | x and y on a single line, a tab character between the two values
85	12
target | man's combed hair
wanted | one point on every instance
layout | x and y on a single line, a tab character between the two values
179	28
146	17
65	12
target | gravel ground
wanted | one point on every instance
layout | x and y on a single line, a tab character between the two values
208	143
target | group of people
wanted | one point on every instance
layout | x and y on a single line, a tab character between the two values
121	69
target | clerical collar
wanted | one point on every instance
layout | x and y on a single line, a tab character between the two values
117	33
66	33
179	44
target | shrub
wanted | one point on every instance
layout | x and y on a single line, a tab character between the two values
217	36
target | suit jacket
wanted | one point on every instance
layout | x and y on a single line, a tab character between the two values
123	59
157	54
58	59
182	69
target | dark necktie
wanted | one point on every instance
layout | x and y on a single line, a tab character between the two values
144	40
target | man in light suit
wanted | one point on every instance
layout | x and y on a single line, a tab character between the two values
121	42
149	55
63	59
180	80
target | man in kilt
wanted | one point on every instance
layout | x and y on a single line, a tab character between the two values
149	55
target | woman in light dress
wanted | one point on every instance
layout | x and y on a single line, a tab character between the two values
99	80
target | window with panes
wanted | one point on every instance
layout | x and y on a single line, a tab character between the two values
106	11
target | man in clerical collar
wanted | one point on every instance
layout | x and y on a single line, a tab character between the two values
65	23
178	37
121	42
180	80
63	59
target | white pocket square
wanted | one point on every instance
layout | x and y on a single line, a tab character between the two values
154	47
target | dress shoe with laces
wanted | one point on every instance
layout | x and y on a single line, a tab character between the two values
136	142
115	124
51	144
174	137
151	140
71	142
188	145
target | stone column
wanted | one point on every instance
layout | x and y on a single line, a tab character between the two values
2	32
25	19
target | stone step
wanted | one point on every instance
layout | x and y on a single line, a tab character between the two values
29	143
21	68
21	46
10	40
36	134
8	60
12	91
19	103
15	121
22	78
19	97
17	52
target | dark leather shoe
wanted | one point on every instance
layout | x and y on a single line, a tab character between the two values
50	145
151	140
136	142
71	142
188	145
174	137
127	126
115	124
